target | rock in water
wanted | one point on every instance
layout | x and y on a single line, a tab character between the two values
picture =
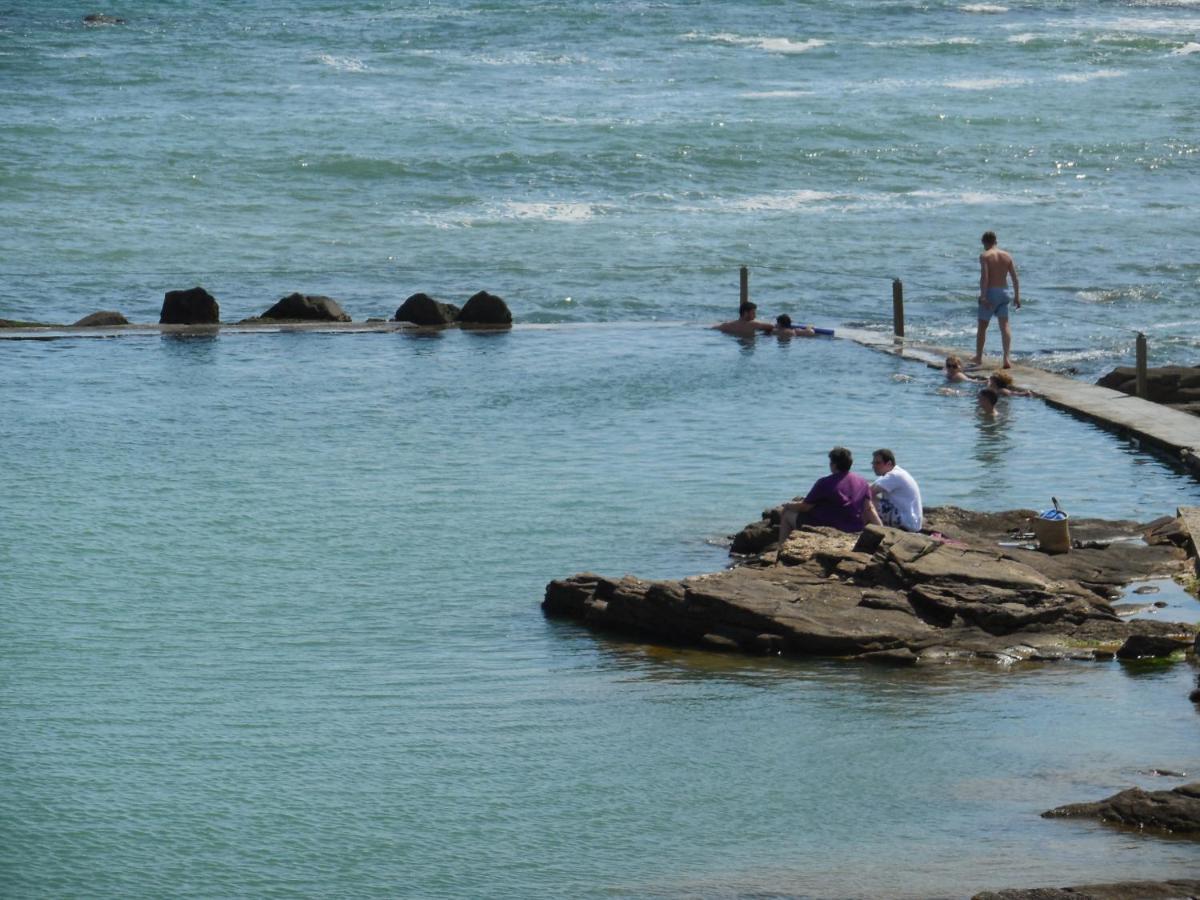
1176	810
485	309
195	306
307	308
421	309
101	319
97	19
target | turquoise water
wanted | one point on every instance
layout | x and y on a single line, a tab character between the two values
270	602
271	628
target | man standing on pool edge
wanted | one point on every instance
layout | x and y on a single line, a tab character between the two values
995	265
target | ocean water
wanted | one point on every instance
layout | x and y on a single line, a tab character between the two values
613	161
270	602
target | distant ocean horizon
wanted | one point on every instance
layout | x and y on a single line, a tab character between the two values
269	603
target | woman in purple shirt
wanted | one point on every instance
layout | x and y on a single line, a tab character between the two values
840	500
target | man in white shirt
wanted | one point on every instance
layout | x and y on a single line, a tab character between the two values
897	494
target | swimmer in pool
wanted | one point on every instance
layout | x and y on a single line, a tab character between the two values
954	371
785	329
745	325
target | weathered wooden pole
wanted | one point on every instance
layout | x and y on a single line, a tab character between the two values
1143	389
898	307
745	295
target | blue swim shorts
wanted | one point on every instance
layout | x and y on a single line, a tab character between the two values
998	298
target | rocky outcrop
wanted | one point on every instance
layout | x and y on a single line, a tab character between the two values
421	309
485	309
1175	889
195	306
1176	811
306	308
103	318
895	597
1177	386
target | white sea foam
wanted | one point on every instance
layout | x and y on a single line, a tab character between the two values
952	198
985	84
927	41
1081	77
1150	26
528	58
1187	49
983	8
773	95
547	211
782	202
1023	38
769	44
342	63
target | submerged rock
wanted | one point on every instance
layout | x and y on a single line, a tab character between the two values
307	308
1176	810
485	309
195	306
101	319
1175	889
893	597
421	309
98	19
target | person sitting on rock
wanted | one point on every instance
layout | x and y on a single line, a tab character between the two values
840	500
745	325
896	492
954	370
1002	383
785	329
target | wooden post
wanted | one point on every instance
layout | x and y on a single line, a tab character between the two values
745	285
898	307
1142	387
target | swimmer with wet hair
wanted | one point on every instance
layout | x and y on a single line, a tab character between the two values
1002	383
953	368
986	401
785	329
745	325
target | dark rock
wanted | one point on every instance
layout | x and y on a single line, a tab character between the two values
195	306
1176	810
1176	889
1145	646
485	309
95	19
421	309
307	308
892	596
1146	589
1175	385
101	319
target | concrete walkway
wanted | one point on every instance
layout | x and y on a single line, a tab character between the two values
1171	432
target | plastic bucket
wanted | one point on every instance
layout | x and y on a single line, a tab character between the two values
1053	531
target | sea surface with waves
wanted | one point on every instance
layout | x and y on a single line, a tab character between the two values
269	602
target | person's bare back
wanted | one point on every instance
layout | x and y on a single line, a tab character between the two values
996	266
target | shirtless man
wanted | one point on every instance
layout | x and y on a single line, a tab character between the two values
995	266
745	325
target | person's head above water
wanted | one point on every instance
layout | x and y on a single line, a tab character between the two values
783	321
989	239
840	459
987	400
747	311
953	363
1000	379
